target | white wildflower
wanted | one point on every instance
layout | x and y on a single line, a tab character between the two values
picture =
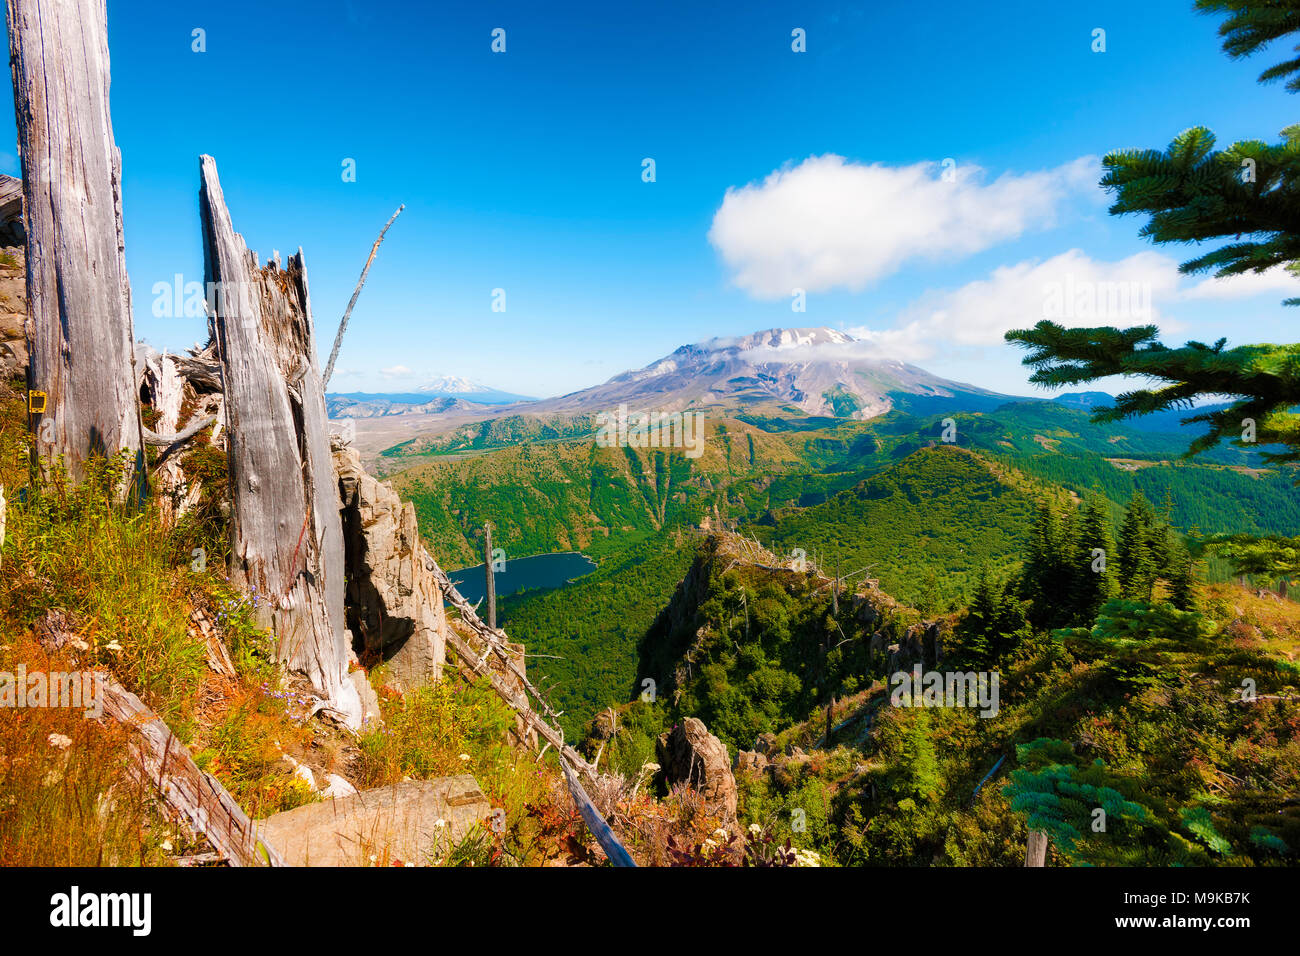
806	858
60	741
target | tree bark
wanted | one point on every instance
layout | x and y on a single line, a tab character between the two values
79	301
1036	849
286	535
490	577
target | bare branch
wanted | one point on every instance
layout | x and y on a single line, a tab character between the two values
356	294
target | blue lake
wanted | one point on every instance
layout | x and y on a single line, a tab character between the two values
538	571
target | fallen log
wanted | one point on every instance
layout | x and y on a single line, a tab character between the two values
496	644
601	830
533	721
197	797
162	762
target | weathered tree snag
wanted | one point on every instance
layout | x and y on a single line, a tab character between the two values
12	230
173	386
491	578
79	327
286	537
1036	849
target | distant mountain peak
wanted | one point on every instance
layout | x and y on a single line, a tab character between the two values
453	385
1084	399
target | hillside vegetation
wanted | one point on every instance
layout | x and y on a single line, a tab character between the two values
1181	724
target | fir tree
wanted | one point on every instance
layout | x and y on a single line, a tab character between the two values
1274	557
1253	24
1182	579
1138	551
1192	192
1050	569
1095	581
1060	795
1062	800
995	622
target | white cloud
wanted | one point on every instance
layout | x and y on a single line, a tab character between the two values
396	371
1276	281
828	223
1070	289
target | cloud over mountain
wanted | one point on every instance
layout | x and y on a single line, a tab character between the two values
829	223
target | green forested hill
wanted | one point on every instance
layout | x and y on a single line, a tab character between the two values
1209	499
568	494
574	495
925	526
1141	713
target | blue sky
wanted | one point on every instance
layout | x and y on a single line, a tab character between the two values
522	171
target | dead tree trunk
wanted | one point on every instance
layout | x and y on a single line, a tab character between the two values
490	576
1036	849
79	331
286	536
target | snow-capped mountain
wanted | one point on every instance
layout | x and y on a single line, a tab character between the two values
453	385
449	394
816	371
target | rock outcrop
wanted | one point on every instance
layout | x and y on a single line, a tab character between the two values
394	605
921	644
411	821
13	279
689	754
750	762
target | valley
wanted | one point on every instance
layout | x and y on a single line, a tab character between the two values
880	497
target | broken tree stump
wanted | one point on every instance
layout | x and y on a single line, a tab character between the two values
79	330
286	535
1036	849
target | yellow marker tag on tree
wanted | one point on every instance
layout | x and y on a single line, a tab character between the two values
36	402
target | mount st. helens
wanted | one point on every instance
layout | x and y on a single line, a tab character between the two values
776	374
